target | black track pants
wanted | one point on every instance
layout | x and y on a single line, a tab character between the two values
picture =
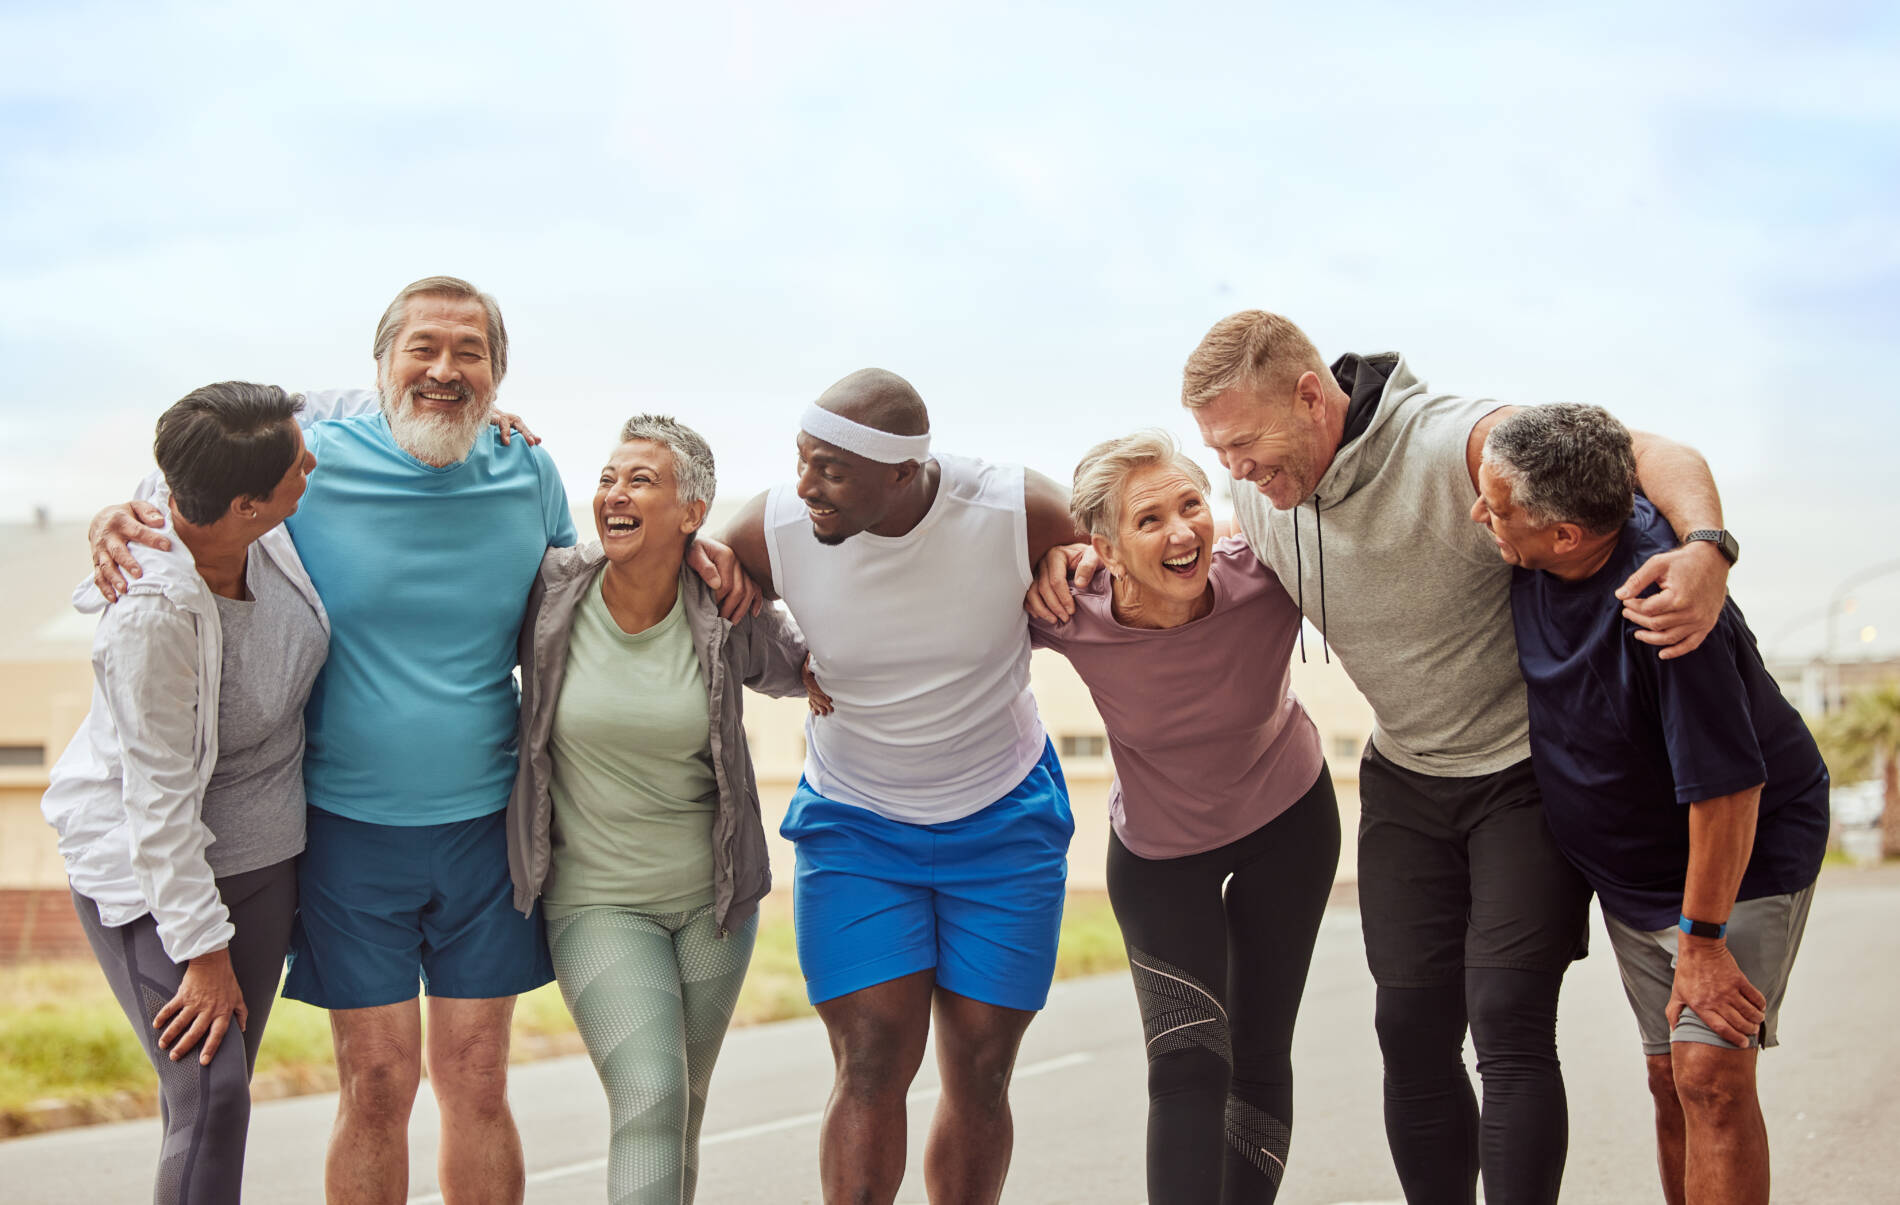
1219	945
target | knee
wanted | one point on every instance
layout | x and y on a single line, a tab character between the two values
1420	1026
1713	1083
1513	1013
227	1107
1189	1072
1662	1079
471	1073
874	1061
377	1087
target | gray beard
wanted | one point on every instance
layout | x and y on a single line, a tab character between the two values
435	440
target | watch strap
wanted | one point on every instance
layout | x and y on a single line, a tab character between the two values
1725	542
1702	928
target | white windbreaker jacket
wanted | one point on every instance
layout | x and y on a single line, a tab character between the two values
125	796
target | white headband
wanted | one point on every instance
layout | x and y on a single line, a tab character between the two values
868	442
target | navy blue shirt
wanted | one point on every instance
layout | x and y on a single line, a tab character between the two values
1622	741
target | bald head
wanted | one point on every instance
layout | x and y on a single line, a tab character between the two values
878	398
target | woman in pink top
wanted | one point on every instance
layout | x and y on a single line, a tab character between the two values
1226	833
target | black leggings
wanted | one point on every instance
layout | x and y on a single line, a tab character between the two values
206	1109
1439	1141
1219	965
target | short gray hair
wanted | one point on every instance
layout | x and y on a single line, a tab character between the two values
445	286
1566	463
1095	501
693	472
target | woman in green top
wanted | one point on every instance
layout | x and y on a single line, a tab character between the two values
635	815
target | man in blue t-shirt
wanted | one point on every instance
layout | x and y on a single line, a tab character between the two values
1688	792
423	534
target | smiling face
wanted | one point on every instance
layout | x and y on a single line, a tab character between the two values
1164	538
637	508
437	379
843	492
1279	446
1520	542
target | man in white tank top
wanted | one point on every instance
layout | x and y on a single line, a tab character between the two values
932	824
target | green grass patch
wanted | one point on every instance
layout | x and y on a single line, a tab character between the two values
65	1038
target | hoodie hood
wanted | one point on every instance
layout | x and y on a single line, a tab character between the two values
1375	386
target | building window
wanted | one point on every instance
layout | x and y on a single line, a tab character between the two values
1082	746
22	755
1347	747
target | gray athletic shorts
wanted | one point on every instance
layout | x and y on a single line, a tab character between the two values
1764	935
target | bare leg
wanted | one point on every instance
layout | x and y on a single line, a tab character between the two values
1726	1144
972	1133
480	1162
877	1044
378	1064
1662	1090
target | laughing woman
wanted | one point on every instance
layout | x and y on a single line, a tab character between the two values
1226	834
635	816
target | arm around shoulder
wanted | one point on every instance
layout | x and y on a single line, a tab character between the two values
1046	507
745	535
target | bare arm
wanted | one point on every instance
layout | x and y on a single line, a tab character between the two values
1694	577
1721	838
1053	544
736	567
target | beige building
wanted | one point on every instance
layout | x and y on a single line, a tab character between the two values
45	658
45	688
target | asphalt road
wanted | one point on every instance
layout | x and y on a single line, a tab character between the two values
1833	1112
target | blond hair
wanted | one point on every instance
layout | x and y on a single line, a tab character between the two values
1251	350
1095	501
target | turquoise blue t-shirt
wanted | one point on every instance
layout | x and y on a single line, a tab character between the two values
425	572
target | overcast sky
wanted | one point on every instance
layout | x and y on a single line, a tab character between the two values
1685	213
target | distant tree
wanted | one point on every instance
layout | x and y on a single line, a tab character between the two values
1864	739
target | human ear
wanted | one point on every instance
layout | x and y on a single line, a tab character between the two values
1109	556
695	518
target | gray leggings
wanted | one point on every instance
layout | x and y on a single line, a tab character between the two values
652	994
206	1109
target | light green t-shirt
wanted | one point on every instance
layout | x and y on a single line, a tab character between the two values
634	792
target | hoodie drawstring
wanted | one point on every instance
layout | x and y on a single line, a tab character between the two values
1299	577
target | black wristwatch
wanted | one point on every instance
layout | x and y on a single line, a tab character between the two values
1724	542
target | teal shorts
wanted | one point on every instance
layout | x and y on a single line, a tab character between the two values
384	907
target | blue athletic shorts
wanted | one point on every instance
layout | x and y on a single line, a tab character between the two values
979	899
381	904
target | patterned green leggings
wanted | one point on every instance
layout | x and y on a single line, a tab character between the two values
652	994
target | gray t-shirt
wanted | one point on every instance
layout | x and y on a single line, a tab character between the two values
273	647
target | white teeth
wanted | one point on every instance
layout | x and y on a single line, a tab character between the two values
1182	562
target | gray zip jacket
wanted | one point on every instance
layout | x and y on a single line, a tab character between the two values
765	652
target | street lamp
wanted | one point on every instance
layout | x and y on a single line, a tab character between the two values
1842	602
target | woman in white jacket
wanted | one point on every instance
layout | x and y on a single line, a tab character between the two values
180	803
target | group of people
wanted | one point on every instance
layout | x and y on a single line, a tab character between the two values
307	741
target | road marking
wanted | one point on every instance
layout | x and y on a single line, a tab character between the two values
1028	1071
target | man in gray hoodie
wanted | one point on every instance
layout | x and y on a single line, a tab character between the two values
1470	912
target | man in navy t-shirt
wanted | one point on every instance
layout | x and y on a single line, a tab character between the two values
1687	791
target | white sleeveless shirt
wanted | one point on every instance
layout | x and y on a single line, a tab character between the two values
922	644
